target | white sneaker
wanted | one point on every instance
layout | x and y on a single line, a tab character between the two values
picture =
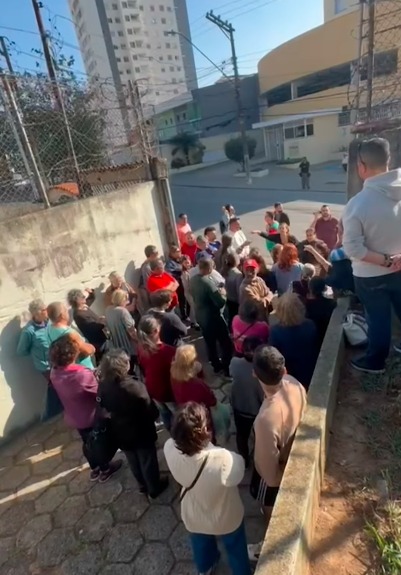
254	551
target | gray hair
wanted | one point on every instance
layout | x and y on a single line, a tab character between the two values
74	295
308	271
114	366
55	310
36	306
147	328
155	264
374	153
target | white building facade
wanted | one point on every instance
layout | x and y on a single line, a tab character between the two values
124	40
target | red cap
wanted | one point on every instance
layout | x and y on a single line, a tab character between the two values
251	264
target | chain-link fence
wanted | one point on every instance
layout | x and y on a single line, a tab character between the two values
378	94
52	134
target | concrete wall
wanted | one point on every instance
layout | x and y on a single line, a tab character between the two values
44	254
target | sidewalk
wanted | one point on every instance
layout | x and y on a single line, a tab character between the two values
54	521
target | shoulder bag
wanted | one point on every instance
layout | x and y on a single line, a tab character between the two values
195	481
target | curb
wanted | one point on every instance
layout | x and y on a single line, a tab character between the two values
288	540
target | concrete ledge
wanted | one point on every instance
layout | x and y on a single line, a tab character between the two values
287	544
258	174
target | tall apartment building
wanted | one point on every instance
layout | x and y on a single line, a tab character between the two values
125	40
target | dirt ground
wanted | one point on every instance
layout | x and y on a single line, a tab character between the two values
364	459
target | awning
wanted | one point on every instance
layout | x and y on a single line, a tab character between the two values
296	117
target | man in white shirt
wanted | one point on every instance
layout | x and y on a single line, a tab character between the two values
240	244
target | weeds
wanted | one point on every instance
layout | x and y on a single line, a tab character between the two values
385	531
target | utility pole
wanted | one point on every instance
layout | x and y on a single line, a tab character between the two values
371	58
54	82
22	138
228	30
139	118
47	53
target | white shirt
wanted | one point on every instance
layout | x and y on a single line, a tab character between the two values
213	506
239	238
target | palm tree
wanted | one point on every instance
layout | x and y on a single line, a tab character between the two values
186	142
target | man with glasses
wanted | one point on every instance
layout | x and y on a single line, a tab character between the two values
372	239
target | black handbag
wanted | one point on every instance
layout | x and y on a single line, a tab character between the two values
101	445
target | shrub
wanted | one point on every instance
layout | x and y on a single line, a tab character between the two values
177	163
233	150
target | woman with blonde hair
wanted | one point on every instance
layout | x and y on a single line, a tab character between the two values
121	326
295	337
187	380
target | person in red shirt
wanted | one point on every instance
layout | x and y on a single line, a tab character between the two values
189	247
155	358
187	381
326	227
159	279
183	228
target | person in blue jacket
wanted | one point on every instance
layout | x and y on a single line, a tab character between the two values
34	342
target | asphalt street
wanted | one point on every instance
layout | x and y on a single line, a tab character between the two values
202	193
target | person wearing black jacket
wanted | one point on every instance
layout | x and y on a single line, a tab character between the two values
279	215
172	328
88	322
132	420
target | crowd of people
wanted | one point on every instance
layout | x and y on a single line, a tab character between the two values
262	326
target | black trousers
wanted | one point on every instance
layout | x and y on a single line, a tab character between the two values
216	335
182	301
243	425
232	310
145	468
84	433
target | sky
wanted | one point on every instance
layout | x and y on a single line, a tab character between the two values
260	26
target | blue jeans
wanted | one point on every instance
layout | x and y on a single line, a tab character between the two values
378	296
166	411
206	553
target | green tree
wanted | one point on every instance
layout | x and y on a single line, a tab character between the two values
46	125
190	145
234	150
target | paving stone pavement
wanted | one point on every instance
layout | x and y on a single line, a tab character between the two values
54	521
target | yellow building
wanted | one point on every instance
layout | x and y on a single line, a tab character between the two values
308	85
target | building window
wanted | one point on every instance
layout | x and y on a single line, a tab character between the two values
169	57
340	6
115	47
344	118
128	71
130	31
134	17
168	45
123	46
118	59
163	69
135	57
175	57
141	8
161	8
178	68
127	18
174	80
124	4
300	129
110	20
126	59
132	4
175	91
171	68
157	93
184	116
161	58
137	69
163	21
117	20
120	33
114	6
169	9
132	44
152	8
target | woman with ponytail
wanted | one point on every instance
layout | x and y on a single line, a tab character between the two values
155	358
